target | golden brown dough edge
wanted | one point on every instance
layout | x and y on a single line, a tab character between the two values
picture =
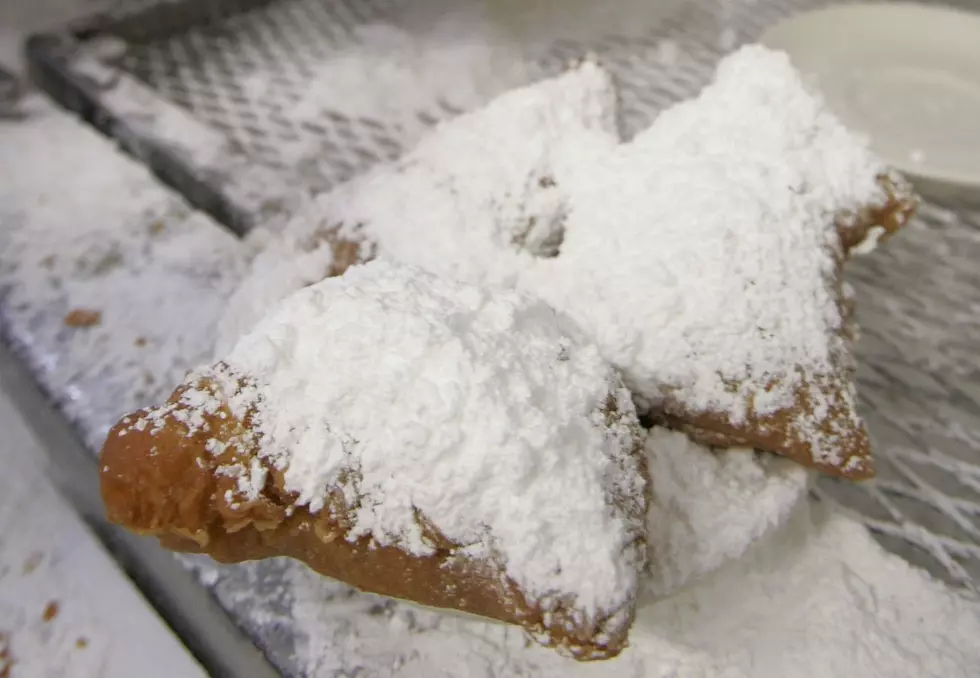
898	208
159	480
779	433
794	431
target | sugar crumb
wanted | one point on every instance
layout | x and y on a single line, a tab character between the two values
32	562
50	611
81	317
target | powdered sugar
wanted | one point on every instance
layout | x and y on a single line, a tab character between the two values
816	598
477	409
423	61
368	640
249	479
709	507
752	135
702	255
85	227
66	609
280	267
475	201
477	198
397	75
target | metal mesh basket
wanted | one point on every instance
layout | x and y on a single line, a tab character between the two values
247	69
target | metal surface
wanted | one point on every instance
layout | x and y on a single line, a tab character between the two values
197	619
10	90
918	297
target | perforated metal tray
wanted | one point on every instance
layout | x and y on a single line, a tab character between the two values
216	98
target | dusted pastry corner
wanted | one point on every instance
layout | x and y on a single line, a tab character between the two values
412	436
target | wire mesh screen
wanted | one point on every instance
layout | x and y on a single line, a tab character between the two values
330	87
268	76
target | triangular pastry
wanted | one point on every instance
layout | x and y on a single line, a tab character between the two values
456	446
704	257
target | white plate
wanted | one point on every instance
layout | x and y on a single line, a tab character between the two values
907	75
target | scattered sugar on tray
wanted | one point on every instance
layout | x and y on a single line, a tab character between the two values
65	245
478	408
403	70
708	507
815	598
701	255
667	51
400	75
280	267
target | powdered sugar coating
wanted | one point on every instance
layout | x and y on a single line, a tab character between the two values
280	267
475	200
702	256
475	409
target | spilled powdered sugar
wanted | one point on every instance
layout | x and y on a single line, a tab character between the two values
66	608
479	409
398	75
83	227
430	58
702	254
814	598
709	507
